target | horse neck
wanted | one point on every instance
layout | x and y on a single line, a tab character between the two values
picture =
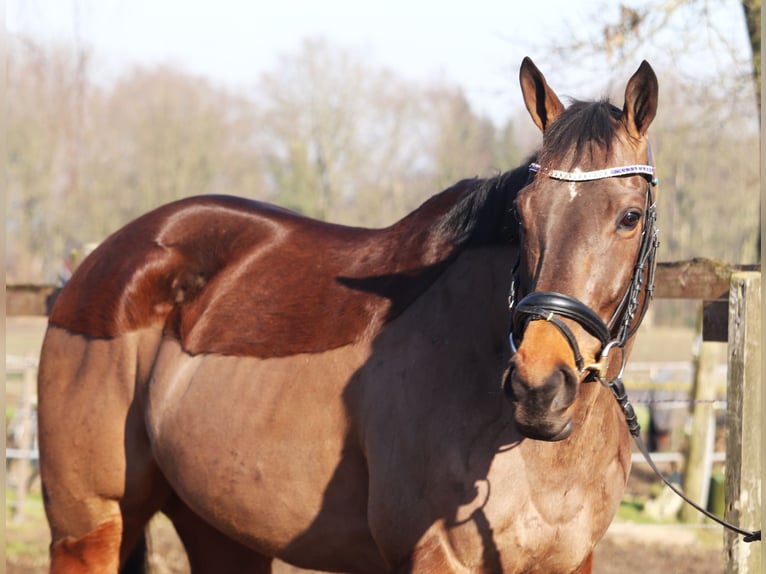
471	213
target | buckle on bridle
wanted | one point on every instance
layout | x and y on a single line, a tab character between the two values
601	367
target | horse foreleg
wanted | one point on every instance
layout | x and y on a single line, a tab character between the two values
103	549
97	551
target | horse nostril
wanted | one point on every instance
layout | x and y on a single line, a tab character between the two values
554	394
513	388
565	383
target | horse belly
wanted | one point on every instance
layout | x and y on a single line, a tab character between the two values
252	446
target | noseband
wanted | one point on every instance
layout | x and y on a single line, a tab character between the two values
551	306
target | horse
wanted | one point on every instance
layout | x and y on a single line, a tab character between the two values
418	398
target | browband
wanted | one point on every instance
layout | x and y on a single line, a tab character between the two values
593	175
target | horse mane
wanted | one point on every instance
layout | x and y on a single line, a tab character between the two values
485	215
580	127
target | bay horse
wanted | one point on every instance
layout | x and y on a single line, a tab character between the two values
349	399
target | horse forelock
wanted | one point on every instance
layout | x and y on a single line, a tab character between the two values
580	132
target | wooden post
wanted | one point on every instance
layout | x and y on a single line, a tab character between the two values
744	419
699	460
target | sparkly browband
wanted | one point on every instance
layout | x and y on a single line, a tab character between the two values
592	175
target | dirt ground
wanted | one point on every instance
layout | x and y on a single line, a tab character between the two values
645	550
650	549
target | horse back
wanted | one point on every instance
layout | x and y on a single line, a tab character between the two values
209	269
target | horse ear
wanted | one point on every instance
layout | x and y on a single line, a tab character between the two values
541	101
640	101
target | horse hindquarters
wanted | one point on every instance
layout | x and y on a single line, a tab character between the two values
100	483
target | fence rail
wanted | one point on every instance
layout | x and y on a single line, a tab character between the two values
18	453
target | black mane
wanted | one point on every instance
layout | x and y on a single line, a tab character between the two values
485	213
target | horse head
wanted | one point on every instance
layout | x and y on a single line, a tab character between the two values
587	248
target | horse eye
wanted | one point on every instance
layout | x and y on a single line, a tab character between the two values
630	219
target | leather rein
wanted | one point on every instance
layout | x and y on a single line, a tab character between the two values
551	306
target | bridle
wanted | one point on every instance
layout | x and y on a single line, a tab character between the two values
551	306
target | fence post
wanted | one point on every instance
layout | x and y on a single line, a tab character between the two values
744	419
23	465
699	460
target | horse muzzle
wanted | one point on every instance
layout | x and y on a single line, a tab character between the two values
542	382
542	410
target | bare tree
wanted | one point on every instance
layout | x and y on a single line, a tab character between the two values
83	160
166	135
752	10
465	142
335	133
700	23
46	103
346	140
711	44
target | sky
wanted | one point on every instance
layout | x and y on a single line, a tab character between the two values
478	44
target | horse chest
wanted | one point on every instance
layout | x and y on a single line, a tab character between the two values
477	498
520	521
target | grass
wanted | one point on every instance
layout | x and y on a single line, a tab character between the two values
26	541
631	510
33	504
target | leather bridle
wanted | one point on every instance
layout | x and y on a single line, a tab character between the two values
551	306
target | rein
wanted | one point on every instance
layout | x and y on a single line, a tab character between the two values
627	317
618	390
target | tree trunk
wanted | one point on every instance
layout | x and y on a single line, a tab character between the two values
752	9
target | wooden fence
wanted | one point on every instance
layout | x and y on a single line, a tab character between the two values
23	452
703	279
745	417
